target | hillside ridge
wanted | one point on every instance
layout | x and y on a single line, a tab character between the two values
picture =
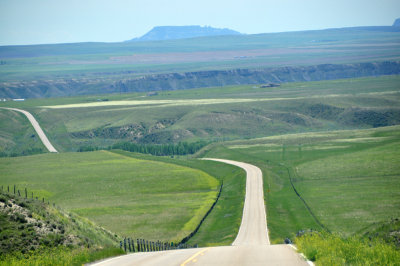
199	79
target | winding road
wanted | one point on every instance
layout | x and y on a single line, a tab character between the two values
251	246
37	128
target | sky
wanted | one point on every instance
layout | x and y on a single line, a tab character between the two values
58	21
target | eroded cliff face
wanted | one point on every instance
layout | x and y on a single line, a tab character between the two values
179	81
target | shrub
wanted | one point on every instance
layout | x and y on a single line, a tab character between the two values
331	249
3	199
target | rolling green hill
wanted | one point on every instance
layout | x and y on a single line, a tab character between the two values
125	195
17	136
348	179
34	233
214	114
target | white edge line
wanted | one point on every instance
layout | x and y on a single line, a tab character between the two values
302	255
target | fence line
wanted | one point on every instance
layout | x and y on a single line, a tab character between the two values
186	239
128	244
142	245
17	192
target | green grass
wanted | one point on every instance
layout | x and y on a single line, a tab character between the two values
49	62
233	112
36	233
349	179
331	249
132	197
222	224
17	136
365	186
61	256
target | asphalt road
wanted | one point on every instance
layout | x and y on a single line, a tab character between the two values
251	246
37	128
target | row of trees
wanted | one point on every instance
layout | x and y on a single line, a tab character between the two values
181	148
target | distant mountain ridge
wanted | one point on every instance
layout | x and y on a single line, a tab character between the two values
182	32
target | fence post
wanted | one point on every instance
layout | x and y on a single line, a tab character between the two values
125	244
26	193
14	189
8	189
19	193
138	245
120	244
129	244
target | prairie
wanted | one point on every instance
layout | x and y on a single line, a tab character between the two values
215	114
348	179
132	197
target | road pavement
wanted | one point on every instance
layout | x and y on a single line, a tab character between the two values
37	128
251	246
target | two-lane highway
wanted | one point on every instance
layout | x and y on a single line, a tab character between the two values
251	246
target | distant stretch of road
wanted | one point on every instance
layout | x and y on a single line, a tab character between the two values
37	128
251	246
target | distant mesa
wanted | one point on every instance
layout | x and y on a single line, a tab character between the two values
182	32
396	23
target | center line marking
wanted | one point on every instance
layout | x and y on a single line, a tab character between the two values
201	252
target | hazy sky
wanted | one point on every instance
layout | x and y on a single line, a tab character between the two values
59	21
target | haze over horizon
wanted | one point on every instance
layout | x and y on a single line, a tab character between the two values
45	21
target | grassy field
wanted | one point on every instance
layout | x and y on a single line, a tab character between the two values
314	162
61	70
348	179
17	136
331	249
132	197
222	224
37	233
225	113
121	60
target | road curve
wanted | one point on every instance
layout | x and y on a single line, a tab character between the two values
37	128
253	229
251	246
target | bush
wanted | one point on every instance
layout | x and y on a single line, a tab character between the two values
59	256
3	199
331	249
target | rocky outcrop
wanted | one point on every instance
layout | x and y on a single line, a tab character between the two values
177	81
